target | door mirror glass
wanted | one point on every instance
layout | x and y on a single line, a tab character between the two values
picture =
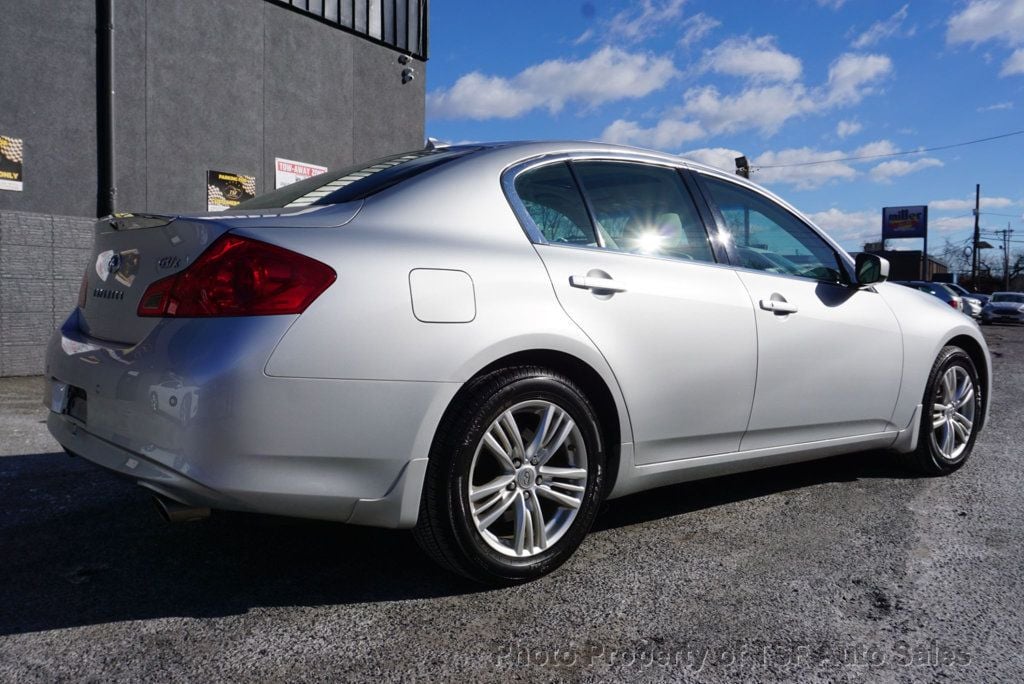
871	269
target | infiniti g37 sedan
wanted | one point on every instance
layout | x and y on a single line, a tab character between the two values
482	343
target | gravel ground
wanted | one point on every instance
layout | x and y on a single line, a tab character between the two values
843	569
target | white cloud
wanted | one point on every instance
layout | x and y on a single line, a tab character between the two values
849	227
806	177
717	157
607	75
851	77
984	20
758	59
666	134
950	223
761	107
996	107
1014	64
846	128
831	4
995	20
807	168
644	19
875	149
968	204
765	107
696	27
886	171
803	177
880	30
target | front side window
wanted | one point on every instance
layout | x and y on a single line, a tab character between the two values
766	237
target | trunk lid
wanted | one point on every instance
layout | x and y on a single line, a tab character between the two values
132	251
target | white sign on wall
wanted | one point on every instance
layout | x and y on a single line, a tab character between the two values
288	171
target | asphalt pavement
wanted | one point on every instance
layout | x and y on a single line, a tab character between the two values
844	569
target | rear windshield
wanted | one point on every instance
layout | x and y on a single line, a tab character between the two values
356	182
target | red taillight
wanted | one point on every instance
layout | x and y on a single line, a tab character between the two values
237	276
953	303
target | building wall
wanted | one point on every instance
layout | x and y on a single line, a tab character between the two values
226	86
42	258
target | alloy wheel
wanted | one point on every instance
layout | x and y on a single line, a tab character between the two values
953	413
527	478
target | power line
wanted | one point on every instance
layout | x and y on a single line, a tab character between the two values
892	154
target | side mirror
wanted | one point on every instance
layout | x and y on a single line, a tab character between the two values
871	269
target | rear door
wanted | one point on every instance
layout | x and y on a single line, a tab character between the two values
830	355
633	267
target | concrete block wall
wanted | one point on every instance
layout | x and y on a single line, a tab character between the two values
42	258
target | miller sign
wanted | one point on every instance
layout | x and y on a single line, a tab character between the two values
904	222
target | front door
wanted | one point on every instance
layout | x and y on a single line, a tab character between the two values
830	355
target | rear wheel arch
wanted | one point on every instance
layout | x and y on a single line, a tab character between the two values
581	372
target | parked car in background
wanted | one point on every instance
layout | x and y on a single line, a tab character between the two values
964	292
1004	307
485	342
939	290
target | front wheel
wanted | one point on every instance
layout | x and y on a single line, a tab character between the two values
952	411
515	478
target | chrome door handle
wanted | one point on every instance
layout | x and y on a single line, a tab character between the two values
778	306
596	284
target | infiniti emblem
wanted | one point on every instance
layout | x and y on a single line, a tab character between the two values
525	478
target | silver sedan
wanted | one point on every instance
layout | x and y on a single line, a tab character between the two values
482	343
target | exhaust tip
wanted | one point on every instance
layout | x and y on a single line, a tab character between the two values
174	512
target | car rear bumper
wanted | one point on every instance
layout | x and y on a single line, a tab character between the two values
190	414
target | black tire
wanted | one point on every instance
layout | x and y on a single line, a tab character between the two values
927	458
445	529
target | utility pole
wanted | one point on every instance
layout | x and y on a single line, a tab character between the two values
1006	255
977	237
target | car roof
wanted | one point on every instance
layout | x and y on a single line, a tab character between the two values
539	148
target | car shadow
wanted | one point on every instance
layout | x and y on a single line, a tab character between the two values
79	546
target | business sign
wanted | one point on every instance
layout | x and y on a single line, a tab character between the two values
904	222
287	171
225	190
12	159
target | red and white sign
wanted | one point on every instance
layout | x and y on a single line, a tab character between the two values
287	171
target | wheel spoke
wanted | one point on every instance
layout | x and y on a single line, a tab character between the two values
495	485
962	432
556	443
967	396
523	525
558	497
540	535
938	420
947	439
504	457
566	486
550	414
508	421
504	500
566	473
949	385
963	421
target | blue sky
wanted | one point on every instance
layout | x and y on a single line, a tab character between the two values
780	81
